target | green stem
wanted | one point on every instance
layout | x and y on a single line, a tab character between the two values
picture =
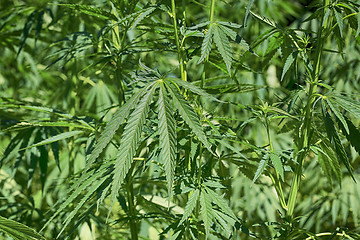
306	127
212	10
177	40
203	76
132	210
276	180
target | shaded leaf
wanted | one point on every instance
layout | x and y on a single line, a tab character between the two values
190	117
18	230
129	141
190	205
167	136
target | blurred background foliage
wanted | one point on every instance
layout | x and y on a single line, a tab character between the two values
75	68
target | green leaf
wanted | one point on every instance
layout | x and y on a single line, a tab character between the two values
92	11
193	88
129	141
289	61
228	31
190	117
220	217
358	25
207	43
335	140
338	115
118	118
221	202
167	135
260	168
18	231
143	14
82	184
353	136
339	20
223	46
248	7
190	205
349	105
276	161
328	160
263	19
56	138
206	211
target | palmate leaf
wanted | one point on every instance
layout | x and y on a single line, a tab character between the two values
350	105
206	211
339	20
129	141
143	14
335	140
220	202
193	88
119	117
167	136
338	115
276	161
188	114
260	168
92	11
56	138
328	160
18	231
85	182
223	45
289	61
207	43
353	136
190	205
219	32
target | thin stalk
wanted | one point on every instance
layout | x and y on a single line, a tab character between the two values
132	211
177	40
306	127
276	180
211	18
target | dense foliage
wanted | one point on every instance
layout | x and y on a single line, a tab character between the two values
191	119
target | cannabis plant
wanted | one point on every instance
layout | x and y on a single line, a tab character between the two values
180	119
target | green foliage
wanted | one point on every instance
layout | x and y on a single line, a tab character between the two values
170	120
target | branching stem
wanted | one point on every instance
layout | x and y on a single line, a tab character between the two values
306	126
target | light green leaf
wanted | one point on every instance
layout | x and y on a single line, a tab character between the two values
129	141
338	115
188	114
350	105
82	184
335	140
276	161
52	139
206	211
207	43
223	46
190	205
228	31
260	168
167	134
221	202
289	61
248	7
92	11
18	230
339	20
193	88
119	117
143	14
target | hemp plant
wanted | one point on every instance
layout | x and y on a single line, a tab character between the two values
180	119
